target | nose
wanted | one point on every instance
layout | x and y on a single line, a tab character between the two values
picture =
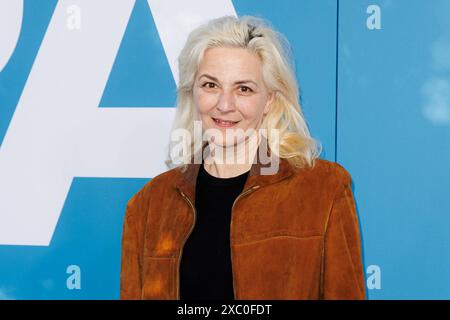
226	102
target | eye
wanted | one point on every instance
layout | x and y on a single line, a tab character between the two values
247	89
207	85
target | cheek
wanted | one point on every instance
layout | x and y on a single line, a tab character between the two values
252	109
204	102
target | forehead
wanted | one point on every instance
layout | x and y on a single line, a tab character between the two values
224	60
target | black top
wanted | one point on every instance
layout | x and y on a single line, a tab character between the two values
205	266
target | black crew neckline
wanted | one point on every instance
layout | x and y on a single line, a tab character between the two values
212	180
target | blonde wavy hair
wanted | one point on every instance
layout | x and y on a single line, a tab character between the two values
255	34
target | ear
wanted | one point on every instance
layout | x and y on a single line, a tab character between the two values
270	100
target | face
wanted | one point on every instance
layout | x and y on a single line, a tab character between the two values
229	86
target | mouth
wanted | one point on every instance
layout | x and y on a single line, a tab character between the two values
225	123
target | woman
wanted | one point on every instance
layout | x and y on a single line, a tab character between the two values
271	221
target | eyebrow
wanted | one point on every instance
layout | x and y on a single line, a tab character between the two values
237	82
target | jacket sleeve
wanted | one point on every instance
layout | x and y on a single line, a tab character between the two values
342	273
132	248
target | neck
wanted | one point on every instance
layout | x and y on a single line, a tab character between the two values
231	161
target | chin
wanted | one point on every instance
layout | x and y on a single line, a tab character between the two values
224	144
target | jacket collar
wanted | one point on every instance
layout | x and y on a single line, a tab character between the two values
257	175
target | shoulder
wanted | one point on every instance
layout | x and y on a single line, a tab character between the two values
322	172
140	201
333	168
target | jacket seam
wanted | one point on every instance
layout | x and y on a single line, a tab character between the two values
322	260
347	250
146	207
274	237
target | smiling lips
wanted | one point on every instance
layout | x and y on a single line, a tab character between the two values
225	123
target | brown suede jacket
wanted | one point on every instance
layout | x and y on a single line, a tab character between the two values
294	235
